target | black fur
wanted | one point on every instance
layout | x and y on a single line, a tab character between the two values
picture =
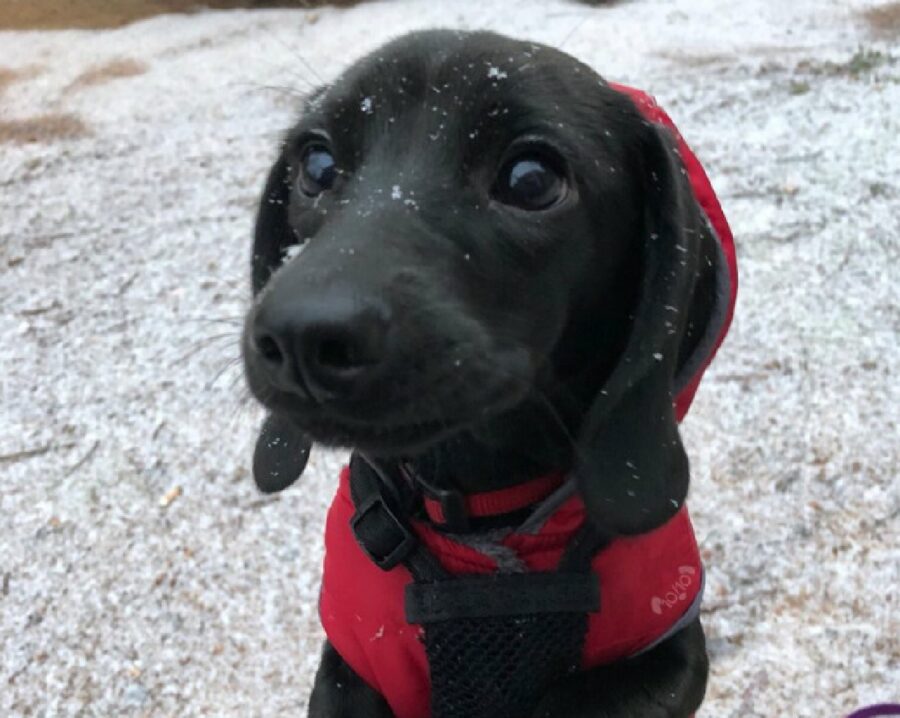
485	343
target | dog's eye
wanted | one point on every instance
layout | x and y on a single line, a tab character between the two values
530	181
318	170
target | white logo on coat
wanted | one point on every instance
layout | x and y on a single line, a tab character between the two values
676	593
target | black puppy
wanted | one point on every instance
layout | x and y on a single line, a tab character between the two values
477	264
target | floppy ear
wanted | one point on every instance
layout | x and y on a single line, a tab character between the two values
281	450
280	456
633	473
273	232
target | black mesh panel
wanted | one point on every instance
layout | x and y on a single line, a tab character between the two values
499	667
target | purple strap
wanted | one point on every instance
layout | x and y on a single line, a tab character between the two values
882	709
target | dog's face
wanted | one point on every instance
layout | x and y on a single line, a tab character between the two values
451	219
459	224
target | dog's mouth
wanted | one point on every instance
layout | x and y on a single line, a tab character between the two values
419	426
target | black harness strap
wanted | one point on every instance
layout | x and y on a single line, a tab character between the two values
515	594
579	554
380	525
494	642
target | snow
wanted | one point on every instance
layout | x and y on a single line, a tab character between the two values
140	572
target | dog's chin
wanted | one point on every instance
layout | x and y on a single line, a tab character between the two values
395	437
383	441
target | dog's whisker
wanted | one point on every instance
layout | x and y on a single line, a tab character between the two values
281	89
236	380
575	29
229	365
242	407
294	53
557	419
205	344
230	320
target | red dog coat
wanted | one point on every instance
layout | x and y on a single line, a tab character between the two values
651	583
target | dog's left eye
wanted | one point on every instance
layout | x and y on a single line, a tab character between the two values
530	181
318	169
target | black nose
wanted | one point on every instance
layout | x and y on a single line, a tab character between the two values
326	346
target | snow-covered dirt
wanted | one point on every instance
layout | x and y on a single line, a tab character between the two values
140	572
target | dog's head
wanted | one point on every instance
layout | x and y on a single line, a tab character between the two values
460	229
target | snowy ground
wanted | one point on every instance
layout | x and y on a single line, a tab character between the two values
124	234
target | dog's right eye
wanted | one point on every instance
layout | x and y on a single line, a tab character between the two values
530	181
318	170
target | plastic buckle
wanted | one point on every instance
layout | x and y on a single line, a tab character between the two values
453	503
386	523
453	508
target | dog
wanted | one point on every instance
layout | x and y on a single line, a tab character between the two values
498	279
